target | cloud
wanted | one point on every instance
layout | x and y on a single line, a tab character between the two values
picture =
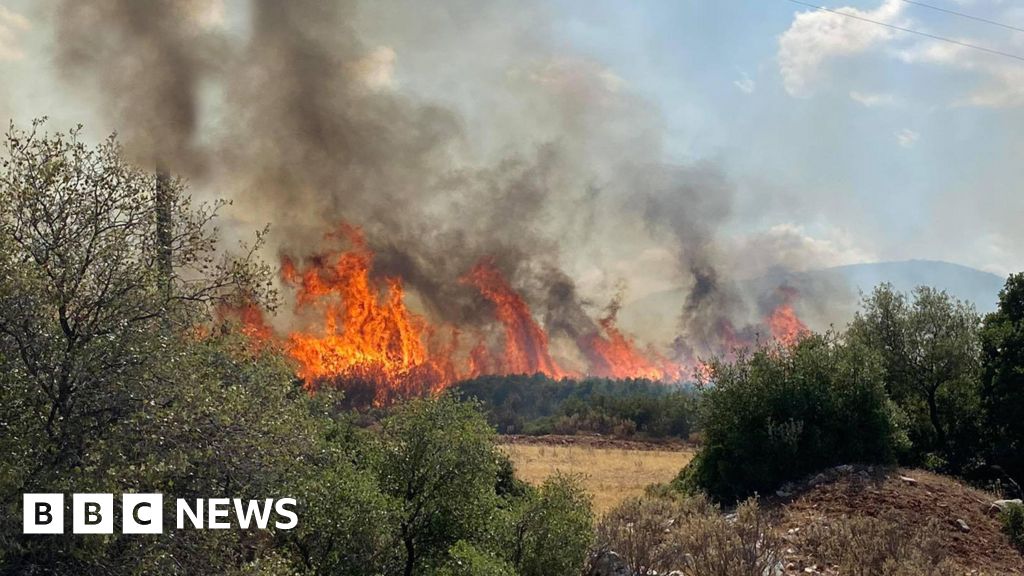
11	25
746	84
1003	83
870	100
907	137
817	36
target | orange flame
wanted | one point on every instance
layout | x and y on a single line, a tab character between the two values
526	344
365	333
361	336
786	327
614	354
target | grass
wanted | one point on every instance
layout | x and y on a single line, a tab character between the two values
610	475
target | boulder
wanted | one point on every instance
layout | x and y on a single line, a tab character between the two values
1001	505
608	563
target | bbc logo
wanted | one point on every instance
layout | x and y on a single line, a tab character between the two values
92	513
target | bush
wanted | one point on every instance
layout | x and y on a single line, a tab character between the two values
781	413
554	529
878	547
1013	524
467	560
691	536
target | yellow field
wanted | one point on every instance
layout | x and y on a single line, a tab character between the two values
610	474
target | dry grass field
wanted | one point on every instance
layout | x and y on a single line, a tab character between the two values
610	473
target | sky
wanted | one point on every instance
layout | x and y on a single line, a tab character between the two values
845	141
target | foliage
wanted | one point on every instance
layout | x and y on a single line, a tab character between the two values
658	535
558	512
108	386
438	460
1013	524
883	546
467	560
930	348
518	404
1003	380
780	413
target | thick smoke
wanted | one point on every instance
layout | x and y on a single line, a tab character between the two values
552	171
145	61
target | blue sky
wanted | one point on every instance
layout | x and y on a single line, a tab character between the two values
910	156
845	141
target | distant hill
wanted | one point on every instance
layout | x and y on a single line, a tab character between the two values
963	282
829	295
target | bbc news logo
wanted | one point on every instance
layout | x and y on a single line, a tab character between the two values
144	513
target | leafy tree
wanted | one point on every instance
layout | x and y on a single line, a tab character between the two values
1003	378
930	349
438	460
552	530
114	383
780	413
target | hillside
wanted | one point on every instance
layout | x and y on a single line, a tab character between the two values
909	500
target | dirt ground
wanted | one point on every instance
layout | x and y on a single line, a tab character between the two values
612	470
913	497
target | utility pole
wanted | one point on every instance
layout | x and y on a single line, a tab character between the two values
164	227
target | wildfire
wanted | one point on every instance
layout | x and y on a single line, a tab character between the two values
786	327
365	334
526	343
359	334
614	354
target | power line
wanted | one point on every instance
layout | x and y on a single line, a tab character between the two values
962	15
912	31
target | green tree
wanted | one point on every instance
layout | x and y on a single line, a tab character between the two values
552	530
930	348
780	413
438	461
1003	378
114	383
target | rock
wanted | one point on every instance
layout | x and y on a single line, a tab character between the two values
1001	505
844	468
608	563
962	525
819	479
908	480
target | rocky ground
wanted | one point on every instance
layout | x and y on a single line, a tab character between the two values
965	519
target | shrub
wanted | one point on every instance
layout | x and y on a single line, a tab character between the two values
1013	524
877	547
781	413
468	560
691	536
553	530
439	461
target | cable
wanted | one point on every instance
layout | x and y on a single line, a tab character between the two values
962	15
912	31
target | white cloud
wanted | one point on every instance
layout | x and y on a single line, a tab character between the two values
907	137
817	36
11	25
1003	84
746	84
871	100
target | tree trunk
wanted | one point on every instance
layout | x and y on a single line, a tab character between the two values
933	413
